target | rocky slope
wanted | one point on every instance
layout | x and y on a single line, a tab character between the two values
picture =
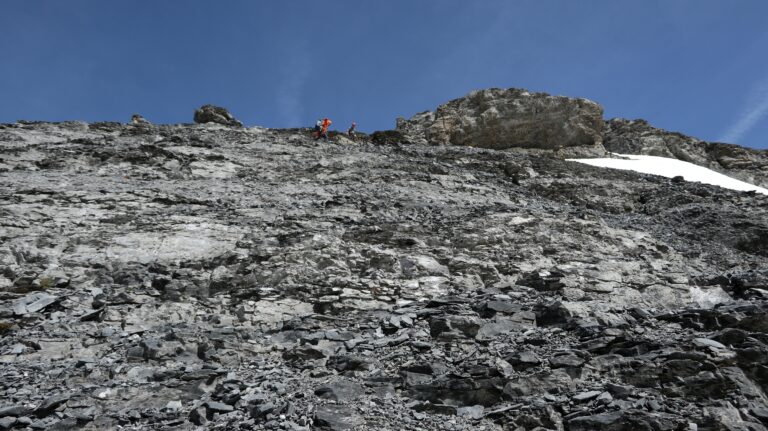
513	119
204	277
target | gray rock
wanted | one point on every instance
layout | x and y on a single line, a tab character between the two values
341	390
138	120
337	418
706	342
198	416
304	353
174	406
505	118
217	407
603	421
586	396
14	411
566	360
440	409
498	328
215	114
50	404
348	363
7	423
466	326
523	360
261	410
473	412
619	391
33	302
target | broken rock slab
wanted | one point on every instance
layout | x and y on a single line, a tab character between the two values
33	303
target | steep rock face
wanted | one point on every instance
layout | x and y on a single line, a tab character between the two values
511	118
177	277
638	137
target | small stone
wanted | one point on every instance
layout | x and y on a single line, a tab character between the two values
567	360
33	303
340	391
586	396
174	406
219	407
7	422
50	404
337	418
14	411
472	412
706	342
198	416
605	398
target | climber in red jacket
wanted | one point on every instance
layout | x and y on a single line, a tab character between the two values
324	129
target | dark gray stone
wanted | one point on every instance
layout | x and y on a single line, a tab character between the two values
337	418
341	390
14	411
219	407
566	360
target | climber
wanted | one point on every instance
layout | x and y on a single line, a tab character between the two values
324	129
318	126
351	131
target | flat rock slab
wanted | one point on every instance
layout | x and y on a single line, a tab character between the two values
586	396
342	390
33	303
337	418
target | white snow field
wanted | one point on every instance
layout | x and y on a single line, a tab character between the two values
669	168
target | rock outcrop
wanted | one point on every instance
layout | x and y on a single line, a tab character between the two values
638	137
138	120
186	277
215	114
511	118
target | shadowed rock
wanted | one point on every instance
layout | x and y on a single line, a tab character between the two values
215	114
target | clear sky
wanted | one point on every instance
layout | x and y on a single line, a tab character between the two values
695	66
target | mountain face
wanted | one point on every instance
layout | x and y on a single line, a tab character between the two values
203	276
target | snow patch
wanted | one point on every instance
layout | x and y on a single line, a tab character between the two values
667	167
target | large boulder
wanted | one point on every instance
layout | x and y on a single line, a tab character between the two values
638	137
508	118
215	114
138	120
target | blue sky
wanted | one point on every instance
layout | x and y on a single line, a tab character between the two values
695	66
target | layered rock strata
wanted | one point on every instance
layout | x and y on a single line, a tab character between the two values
511	118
